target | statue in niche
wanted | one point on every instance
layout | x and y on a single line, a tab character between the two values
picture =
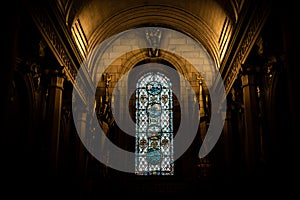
153	36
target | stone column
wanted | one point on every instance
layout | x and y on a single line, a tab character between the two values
55	88
202	113
228	142
251	109
205	164
82	159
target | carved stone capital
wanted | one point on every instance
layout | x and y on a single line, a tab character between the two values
57	77
250	69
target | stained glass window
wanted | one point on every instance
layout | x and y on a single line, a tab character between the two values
154	125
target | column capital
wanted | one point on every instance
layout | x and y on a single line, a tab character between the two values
57	76
200	79
250	69
58	71
249	75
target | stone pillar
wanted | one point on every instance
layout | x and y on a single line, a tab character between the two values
205	164
82	159
251	109
202	113
55	88
228	143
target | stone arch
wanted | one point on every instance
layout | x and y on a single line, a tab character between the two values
181	21
177	62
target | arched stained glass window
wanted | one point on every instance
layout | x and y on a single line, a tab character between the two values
154	125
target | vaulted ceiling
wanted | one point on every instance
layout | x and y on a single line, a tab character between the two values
227	29
210	22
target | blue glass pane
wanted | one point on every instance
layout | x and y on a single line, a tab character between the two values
154	88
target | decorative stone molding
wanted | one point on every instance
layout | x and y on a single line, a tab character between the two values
54	42
252	31
51	35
